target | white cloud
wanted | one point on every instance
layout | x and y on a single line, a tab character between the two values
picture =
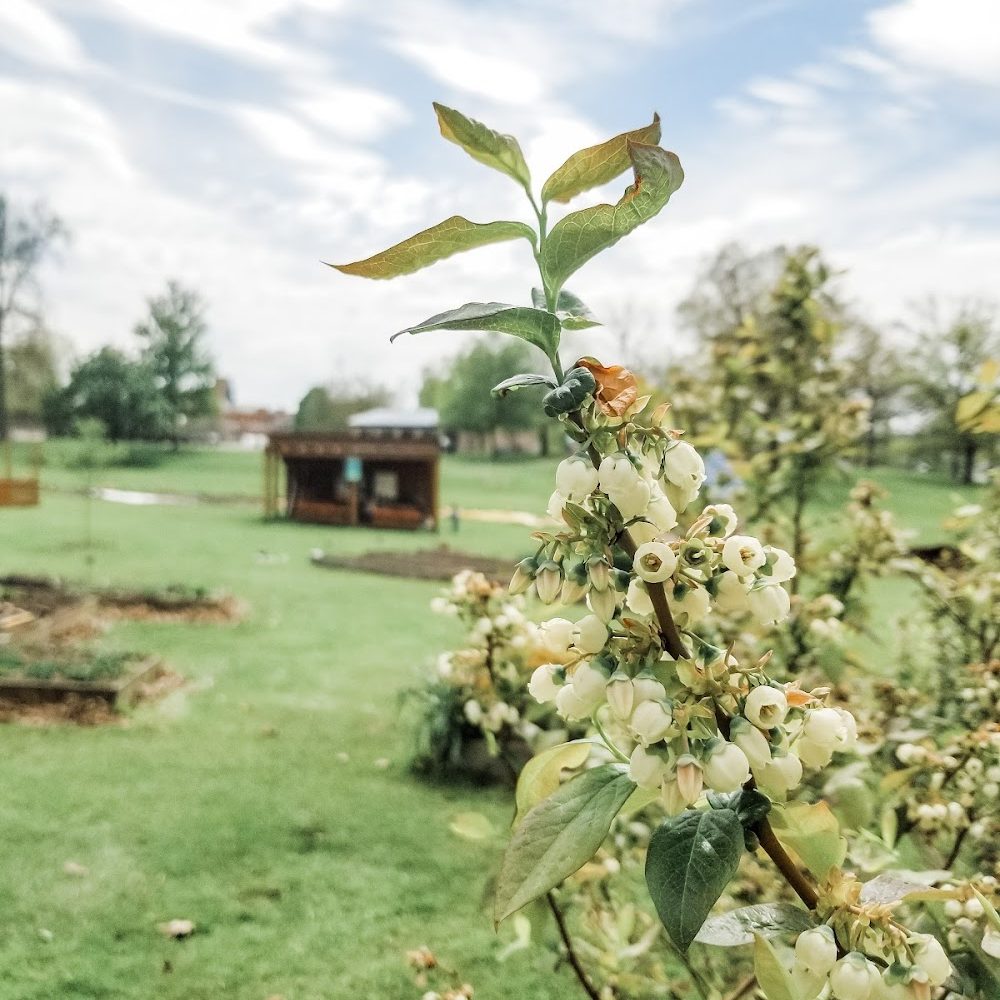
784	93
959	38
30	33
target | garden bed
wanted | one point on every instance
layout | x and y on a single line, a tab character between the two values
114	678
441	563
44	595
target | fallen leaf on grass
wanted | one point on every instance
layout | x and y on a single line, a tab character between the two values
176	928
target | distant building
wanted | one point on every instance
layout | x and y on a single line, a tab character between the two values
383	472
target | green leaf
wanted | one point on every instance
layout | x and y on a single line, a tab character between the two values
738	927
596	165
560	835
894	887
772	976
495	149
515	382
471	826
812	831
446	238
572	313
539	778
691	859
533	325
580	235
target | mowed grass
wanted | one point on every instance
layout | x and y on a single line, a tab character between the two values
269	802
257	803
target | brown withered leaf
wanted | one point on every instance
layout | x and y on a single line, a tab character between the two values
617	388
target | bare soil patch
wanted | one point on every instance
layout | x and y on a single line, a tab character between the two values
441	563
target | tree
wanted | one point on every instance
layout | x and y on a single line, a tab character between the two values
462	396
328	408
32	369
121	393
733	287
173	347
952	345
876	371
24	242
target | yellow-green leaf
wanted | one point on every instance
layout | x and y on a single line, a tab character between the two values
446	238
561	834
471	826
495	149
539	778
812	831
772	976
596	165
536	326
581	235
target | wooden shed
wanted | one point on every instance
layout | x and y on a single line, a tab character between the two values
383	473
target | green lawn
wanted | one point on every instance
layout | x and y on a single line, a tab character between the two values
255	802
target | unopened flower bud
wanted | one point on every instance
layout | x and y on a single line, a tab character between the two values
545	682
548	582
617	472
576	478
654	562
732	594
824	726
781	774
631	500
766	706
853	978
648	689
769	603
590	634
726	768
620	693
650	722
637	598
689	779
524	576
751	741
816	949
554	507
693	602
673	800
581	697
603	603
683	466
932	958
599	571
646	769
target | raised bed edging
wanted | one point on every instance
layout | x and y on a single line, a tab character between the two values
119	691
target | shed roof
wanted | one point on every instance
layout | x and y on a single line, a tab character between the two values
385	418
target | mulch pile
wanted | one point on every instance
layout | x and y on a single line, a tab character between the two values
441	563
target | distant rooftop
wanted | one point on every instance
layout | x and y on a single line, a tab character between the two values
386	418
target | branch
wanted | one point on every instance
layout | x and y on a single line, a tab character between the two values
574	961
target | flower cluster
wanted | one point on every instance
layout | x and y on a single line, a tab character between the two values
915	964
703	722
480	689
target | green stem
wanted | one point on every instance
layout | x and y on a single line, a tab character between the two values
608	742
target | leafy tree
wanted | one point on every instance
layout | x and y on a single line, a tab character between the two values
122	394
328	408
25	239
173	348
32	369
877	372
462	395
952	345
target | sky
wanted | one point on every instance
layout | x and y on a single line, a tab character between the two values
235	145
